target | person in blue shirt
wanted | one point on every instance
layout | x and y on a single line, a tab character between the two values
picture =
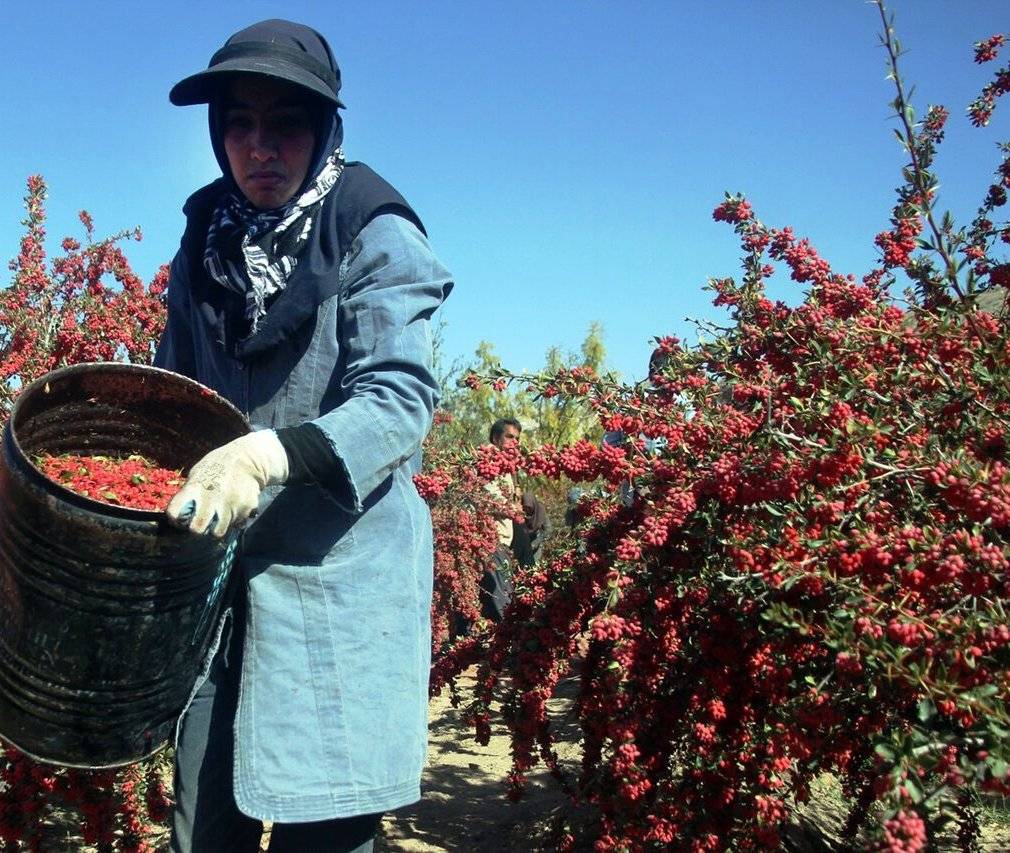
302	292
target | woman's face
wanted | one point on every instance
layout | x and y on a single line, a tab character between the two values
268	138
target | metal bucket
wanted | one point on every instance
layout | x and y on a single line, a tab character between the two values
106	613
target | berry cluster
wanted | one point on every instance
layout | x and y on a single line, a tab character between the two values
132	482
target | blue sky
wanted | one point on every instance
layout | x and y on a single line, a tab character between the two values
565	156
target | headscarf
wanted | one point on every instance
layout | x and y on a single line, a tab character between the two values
252	251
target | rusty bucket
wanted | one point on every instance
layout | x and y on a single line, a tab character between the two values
106	612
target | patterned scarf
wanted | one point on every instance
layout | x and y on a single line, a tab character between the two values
253	252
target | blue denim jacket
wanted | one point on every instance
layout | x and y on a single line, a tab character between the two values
332	716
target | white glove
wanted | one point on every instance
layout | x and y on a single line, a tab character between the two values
223	488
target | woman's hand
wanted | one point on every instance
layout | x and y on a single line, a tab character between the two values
223	488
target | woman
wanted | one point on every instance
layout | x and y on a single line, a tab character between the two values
302	293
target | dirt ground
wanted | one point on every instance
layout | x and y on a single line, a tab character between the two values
463	807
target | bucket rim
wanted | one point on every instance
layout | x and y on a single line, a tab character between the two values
54	762
147	517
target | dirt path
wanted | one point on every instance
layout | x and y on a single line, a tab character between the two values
463	806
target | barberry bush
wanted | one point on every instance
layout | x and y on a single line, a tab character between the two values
84	305
463	520
792	553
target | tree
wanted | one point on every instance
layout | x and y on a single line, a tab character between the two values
545	418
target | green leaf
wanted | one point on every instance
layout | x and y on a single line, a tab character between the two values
926	711
1001	732
885	752
914	788
984	692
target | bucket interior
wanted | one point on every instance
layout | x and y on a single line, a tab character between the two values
119	410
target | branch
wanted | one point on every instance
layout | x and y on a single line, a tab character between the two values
901	103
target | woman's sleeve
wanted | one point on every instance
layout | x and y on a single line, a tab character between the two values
391	284
175	350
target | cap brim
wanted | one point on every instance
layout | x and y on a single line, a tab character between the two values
203	87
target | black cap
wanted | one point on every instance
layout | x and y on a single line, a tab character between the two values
280	49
